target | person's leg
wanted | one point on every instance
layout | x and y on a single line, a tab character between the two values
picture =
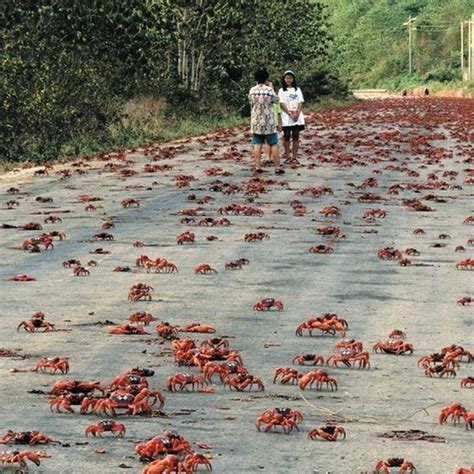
296	143
272	141
257	141
295	147
268	151
276	155
257	153
286	142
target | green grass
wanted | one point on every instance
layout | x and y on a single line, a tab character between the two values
170	129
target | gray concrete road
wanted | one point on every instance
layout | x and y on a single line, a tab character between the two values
424	146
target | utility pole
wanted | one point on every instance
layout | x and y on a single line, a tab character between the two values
462	50
469	50
409	23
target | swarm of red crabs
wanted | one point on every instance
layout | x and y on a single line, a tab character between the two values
205	359
128	393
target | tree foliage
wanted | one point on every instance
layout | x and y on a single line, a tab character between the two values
67	67
371	40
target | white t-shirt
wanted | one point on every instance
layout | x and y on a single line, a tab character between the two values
291	98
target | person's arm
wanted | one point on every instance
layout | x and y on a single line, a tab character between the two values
300	105
281	96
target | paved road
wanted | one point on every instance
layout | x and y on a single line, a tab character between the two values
397	150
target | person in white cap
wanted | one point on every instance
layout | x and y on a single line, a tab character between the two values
292	118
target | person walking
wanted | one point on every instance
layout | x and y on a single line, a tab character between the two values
262	120
291	101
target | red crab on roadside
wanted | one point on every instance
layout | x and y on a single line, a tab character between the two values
141	317
404	465
26	437
312	359
288	374
467	381
198	327
35	323
96	429
267	304
393	346
126	329
181	380
327	433
284	417
204	269
322	248
318	376
9	458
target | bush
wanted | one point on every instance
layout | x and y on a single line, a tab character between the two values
441	74
317	83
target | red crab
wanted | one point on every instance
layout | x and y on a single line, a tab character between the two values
287	374
170	463
330	211
35	323
169	442
455	411
130	202
389	253
96	429
328	433
192	462
140	291
224	369
393	346
21	278
284	417
183	379
141	317
204	269
320	377
466	264
252	237
370	214
53	364
467	381
26	437
322	248
326	325
122	399
268	304
166	330
348	358
330	230
126	329
9	458
404	465
185	238
465	470
313	359
81	271
198	327
440	371
242	380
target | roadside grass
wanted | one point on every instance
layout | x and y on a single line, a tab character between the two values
145	122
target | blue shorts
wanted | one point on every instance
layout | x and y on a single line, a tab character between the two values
271	139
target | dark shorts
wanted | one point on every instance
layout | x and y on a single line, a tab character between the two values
271	139
293	132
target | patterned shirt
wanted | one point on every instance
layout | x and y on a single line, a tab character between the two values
262	121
